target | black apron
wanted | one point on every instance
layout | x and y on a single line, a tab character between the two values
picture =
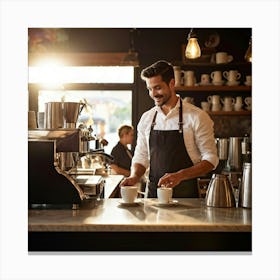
168	154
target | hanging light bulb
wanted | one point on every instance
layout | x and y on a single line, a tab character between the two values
192	49
248	54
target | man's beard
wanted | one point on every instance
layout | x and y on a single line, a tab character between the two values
163	99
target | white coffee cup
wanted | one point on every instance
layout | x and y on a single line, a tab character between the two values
205	106
189	78
232	75
129	193
216	76
205	79
223	57
164	195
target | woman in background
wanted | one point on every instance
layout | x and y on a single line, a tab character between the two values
121	153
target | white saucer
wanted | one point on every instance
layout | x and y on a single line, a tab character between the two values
247	84
235	83
218	83
136	203
172	203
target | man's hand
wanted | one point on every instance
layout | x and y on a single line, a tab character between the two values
170	180
129	181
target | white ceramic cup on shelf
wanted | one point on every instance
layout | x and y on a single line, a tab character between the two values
228	103
164	194
189	78
129	193
232	75
216	76
216	107
214	99
177	75
205	79
223	57
248	102
248	81
205	106
238	103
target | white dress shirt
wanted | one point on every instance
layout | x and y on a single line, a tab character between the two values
198	129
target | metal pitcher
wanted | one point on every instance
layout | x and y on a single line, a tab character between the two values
53	115
220	192
71	111
245	195
222	148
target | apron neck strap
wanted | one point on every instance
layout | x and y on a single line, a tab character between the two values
180	123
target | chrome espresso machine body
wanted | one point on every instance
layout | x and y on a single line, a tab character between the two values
55	175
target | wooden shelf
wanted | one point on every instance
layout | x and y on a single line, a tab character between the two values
230	113
214	88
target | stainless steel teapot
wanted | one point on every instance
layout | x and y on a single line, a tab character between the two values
220	192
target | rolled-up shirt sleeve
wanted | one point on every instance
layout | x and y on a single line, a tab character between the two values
202	133
141	153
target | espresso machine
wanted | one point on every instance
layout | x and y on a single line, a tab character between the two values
56	178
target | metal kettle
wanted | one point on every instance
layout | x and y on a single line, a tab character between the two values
245	194
220	192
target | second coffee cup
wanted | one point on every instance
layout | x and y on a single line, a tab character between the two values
164	195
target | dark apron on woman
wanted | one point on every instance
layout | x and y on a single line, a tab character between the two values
168	154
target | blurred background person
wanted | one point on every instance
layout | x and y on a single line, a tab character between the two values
121	153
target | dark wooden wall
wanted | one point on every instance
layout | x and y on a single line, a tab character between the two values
152	44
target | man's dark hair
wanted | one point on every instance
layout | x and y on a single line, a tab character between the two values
162	68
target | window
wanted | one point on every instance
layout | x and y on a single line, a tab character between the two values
105	110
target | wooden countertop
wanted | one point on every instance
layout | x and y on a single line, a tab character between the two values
106	215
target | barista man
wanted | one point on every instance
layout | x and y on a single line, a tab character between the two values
121	153
175	138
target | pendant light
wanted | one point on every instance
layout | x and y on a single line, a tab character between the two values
248	54
192	50
131	58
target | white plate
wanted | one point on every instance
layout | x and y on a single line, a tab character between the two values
218	83
136	203
236	83
172	203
